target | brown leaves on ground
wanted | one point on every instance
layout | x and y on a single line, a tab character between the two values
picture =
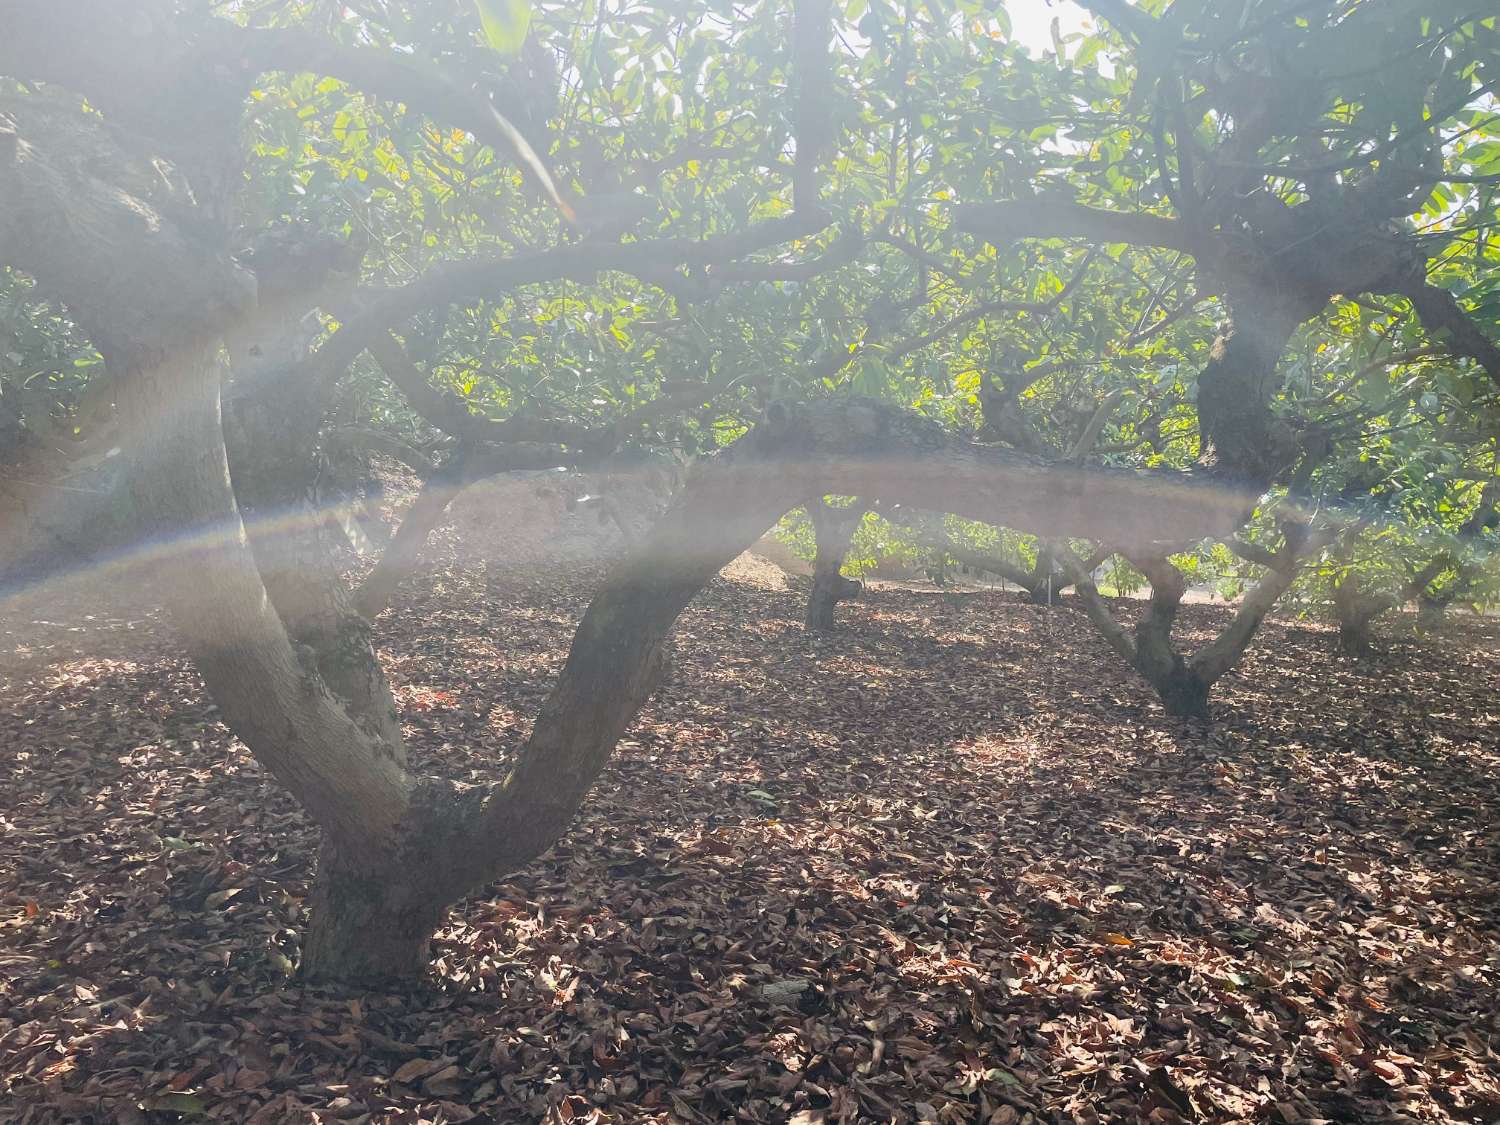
951	864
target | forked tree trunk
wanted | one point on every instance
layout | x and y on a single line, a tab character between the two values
834	530
1184	683
1182	690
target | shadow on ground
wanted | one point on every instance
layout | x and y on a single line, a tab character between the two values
951	864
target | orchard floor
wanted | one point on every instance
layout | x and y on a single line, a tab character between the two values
952	864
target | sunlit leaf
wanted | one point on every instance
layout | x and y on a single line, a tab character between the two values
505	23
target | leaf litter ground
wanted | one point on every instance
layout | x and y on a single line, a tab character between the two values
951	864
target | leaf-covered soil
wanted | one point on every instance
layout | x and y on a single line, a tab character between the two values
952	864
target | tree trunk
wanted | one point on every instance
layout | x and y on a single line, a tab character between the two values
834	529
1432	608
1182	692
1355	609
369	924
1356	638
1354	613
1184	683
269	691
828	589
1043	583
1240	436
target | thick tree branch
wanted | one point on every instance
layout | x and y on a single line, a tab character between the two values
1440	312
379	309
1221	654
1089	438
841	252
1252	552
1042	217
93	239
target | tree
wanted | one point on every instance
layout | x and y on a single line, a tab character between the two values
141	262
1284	173
833	529
1184	682
1356	606
797	260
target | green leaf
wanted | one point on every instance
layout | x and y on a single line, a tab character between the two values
505	23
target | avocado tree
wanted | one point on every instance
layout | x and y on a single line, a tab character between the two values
626	229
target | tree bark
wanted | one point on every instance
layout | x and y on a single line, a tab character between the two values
1240	437
271	694
834	530
1354	610
370	923
272	428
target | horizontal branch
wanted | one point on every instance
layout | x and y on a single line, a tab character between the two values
841	252
1440	312
451	414
849	447
1016	219
453	282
